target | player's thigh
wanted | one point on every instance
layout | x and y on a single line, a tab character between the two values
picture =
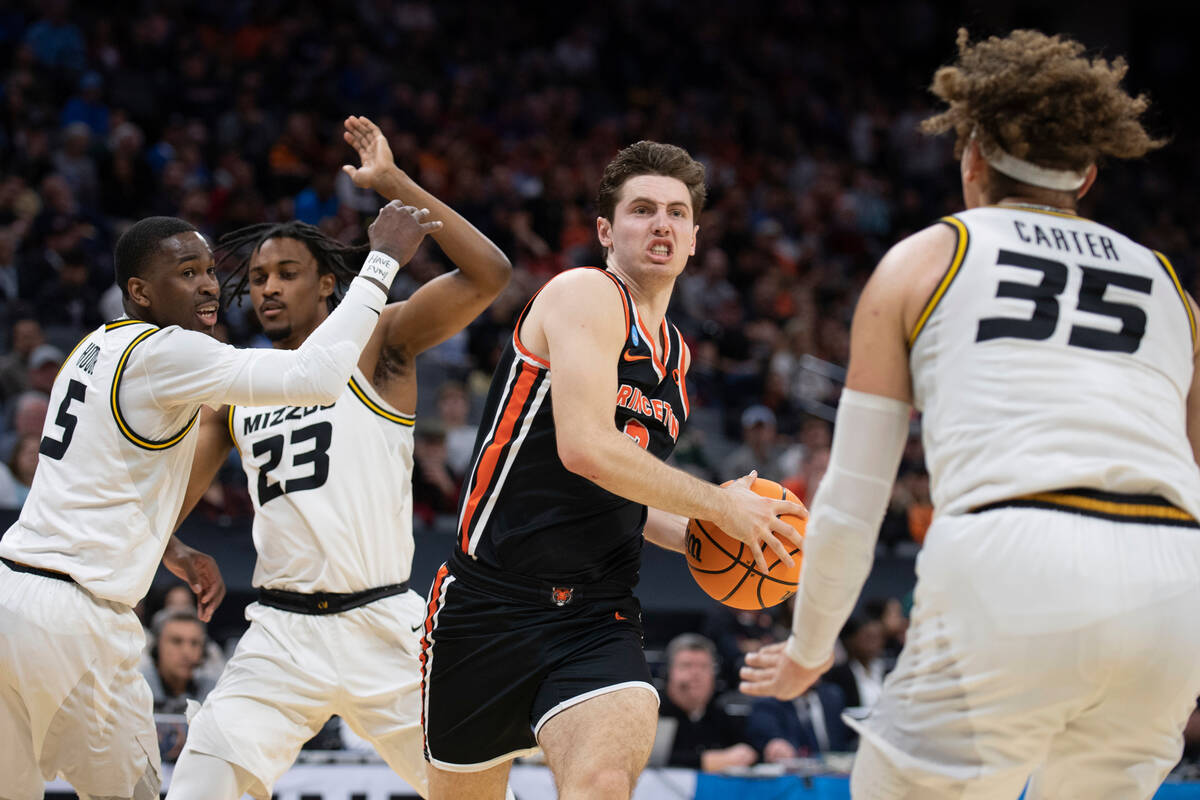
103	738
487	784
18	765
602	738
273	695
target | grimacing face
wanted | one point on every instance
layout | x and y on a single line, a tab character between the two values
652	230
287	291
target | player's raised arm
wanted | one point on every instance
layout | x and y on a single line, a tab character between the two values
448	303
579	320
186	368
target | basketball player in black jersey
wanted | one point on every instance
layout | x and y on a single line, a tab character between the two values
533	636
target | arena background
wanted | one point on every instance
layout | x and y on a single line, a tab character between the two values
804	113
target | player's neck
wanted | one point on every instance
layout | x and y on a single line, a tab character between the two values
1055	201
651	296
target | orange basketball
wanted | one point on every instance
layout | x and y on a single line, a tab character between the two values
725	569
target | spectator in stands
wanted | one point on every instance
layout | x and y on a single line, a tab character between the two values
435	487
25	335
704	736
22	464
736	632
807	726
861	676
454	409
28	418
180	598
176	651
44	362
761	447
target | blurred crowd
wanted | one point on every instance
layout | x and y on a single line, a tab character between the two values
804	113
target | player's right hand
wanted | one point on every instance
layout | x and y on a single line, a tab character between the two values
399	230
754	519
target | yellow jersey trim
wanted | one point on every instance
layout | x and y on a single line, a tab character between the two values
399	419
126	430
1182	294
960	253
121	323
229	422
1123	508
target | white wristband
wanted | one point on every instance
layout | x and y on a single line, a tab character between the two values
381	267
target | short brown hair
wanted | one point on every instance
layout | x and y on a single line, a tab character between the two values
1041	99
650	158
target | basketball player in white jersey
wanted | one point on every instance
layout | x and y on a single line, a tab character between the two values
335	628
1055	632
110	483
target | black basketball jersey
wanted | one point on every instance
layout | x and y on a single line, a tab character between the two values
521	510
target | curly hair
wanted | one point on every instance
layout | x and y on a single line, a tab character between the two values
237	248
1041	99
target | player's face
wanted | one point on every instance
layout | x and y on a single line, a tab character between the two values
181	285
652	229
287	291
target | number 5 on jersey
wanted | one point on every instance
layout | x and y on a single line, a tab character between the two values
57	448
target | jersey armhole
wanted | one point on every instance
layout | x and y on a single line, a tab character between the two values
1187	307
962	242
525	353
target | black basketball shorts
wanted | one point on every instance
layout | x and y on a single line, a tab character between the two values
499	658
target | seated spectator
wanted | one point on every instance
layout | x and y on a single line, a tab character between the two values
435	487
22	465
454	410
705	737
176	652
179	598
736	632
807	726
24	337
28	419
761	448
44	363
861	677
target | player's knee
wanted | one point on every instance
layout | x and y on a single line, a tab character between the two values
601	781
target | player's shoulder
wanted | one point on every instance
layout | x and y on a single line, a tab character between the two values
930	248
584	289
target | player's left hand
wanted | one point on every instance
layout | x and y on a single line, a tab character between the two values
373	151
202	575
770	672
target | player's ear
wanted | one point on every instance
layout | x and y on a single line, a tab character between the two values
139	291
695	232
604	232
326	283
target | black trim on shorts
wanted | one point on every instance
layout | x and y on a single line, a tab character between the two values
321	603
54	574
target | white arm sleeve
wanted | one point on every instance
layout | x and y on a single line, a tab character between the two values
181	367
839	545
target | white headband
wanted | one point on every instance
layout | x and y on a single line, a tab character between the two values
1063	180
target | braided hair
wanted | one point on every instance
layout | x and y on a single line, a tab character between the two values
333	257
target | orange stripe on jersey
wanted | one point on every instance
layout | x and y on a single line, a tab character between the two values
434	601
491	453
651	342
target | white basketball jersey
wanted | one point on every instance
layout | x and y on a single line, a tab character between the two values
332	491
1055	353
112	472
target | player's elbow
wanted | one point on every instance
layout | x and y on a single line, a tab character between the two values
577	456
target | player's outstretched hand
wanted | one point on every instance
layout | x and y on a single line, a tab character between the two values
399	230
201	574
770	672
754	519
374	153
